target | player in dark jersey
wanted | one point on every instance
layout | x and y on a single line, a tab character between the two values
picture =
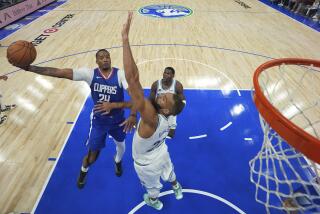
106	84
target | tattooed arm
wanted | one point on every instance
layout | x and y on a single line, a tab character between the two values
66	73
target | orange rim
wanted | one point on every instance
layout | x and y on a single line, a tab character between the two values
294	135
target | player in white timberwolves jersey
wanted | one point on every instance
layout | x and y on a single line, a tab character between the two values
107	84
168	85
150	153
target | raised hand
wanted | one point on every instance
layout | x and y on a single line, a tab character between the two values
126	26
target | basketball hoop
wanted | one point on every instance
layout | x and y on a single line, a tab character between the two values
285	170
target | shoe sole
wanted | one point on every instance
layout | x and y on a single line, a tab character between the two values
179	197
159	207
118	172
3	120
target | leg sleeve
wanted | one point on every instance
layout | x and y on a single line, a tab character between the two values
168	169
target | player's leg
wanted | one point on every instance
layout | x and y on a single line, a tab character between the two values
3	118
150	178
177	189
4	108
96	142
88	160
172	120
119	139
169	175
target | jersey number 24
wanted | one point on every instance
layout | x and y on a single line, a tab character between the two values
104	98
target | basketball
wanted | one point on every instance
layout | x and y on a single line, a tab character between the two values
21	53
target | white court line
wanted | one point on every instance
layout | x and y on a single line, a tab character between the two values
57	160
226	126
197	62
197	137
136	208
210	89
247	138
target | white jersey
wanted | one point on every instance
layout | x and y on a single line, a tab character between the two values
86	74
145	150
171	89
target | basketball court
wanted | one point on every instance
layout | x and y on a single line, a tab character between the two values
214	47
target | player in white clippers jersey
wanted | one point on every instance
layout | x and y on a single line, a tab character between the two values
168	85
150	154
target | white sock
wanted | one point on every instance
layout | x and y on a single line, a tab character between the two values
121	148
84	169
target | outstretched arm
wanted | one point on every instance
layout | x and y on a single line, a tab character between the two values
66	73
106	107
147	111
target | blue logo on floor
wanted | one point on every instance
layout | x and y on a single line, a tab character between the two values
165	11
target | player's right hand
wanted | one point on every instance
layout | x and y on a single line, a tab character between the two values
104	107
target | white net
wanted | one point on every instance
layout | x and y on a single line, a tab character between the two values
284	178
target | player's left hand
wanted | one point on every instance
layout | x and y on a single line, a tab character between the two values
126	26
104	107
129	124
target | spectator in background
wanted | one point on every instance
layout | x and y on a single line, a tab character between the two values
316	17
4	108
314	11
301	6
307	8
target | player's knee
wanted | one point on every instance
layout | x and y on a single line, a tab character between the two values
91	157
